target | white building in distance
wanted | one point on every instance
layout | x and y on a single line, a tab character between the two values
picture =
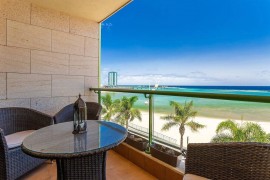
112	79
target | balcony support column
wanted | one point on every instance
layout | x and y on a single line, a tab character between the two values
99	63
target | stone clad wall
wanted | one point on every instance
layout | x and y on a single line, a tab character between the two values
46	57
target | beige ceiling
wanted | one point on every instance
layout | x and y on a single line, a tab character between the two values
96	10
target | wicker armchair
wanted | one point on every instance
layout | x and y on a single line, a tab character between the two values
223	161
66	114
13	162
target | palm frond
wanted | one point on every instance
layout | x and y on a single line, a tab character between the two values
175	104
246	132
103	111
220	138
181	117
135	113
170	117
267	137
116	102
107	100
188	106
125	110
178	109
194	126
133	99
229	125
168	125
254	132
109	107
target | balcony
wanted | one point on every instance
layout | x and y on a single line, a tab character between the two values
50	53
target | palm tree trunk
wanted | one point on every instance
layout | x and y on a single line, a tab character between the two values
182	132
127	124
181	142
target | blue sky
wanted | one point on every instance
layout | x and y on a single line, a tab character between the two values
189	42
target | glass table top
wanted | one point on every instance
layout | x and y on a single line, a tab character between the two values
58	139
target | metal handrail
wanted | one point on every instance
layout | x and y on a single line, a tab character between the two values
156	134
248	98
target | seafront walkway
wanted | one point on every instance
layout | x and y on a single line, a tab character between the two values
159	136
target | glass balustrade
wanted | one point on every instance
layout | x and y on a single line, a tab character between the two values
197	117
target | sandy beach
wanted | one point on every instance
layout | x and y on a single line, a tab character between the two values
204	135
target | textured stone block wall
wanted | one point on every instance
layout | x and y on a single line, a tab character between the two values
46	57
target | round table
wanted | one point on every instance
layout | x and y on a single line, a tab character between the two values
79	156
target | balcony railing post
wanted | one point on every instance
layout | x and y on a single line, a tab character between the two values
99	97
151	119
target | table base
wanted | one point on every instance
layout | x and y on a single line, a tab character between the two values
87	167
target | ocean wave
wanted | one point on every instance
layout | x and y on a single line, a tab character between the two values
255	91
176	88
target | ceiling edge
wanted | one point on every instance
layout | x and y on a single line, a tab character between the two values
115	11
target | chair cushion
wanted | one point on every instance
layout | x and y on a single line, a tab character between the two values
16	139
193	177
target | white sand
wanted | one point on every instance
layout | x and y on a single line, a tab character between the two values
204	135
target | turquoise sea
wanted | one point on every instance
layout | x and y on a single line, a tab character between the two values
209	107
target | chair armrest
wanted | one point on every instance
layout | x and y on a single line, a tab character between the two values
15	119
39	120
3	156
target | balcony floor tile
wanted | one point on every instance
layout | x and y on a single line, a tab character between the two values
118	168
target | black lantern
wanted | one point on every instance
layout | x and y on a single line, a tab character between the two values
80	116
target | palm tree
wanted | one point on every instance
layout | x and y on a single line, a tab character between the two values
181	118
126	112
230	131
109	106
